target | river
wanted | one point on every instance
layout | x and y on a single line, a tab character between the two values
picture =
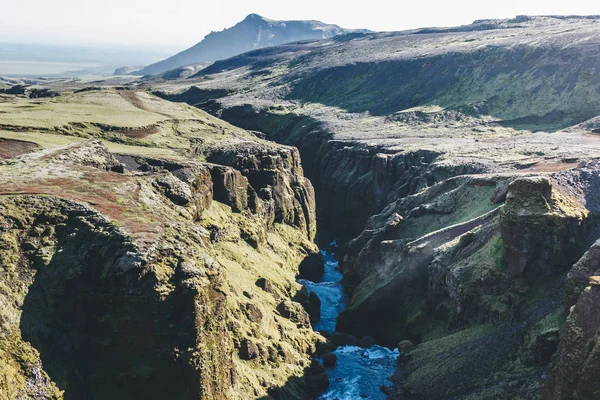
359	372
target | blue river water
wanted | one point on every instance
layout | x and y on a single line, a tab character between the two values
359	372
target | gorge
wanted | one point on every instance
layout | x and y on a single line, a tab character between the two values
161	238
458	167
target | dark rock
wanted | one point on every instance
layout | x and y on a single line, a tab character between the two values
284	354
466	239
276	393
234	376
316	368
120	169
294	312
329	360
318	382
312	267
385	389
342	339
15	90
29	246
273	355
406	346
393	223
253	313
499	195
366	342
310	302
265	285
544	346
41	93
316	377
248	350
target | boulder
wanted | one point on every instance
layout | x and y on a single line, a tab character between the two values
253	313
265	285
366	342
406	346
342	339
248	350
311	303
294	312
312	267
177	191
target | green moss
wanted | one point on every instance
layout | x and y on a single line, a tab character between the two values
555	320
497	254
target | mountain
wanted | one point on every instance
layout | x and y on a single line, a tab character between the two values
254	32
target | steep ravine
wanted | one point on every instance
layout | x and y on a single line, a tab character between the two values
466	260
353	180
459	167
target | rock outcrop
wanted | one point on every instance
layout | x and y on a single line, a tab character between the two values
276	178
576	363
540	228
140	282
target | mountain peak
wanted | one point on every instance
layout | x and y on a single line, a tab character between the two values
254	32
253	17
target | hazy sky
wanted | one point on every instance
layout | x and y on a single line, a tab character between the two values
178	24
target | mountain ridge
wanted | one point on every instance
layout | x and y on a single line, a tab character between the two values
253	32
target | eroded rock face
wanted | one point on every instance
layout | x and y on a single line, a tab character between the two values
276	179
541	228
456	255
230	187
579	276
114	285
575	367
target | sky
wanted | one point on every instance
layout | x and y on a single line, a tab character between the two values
178	24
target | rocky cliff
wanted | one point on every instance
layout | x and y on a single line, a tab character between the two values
145	272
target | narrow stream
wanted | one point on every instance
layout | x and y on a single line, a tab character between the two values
359	372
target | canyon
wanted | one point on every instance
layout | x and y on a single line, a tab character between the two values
168	230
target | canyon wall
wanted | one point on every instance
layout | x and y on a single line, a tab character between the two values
128	276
